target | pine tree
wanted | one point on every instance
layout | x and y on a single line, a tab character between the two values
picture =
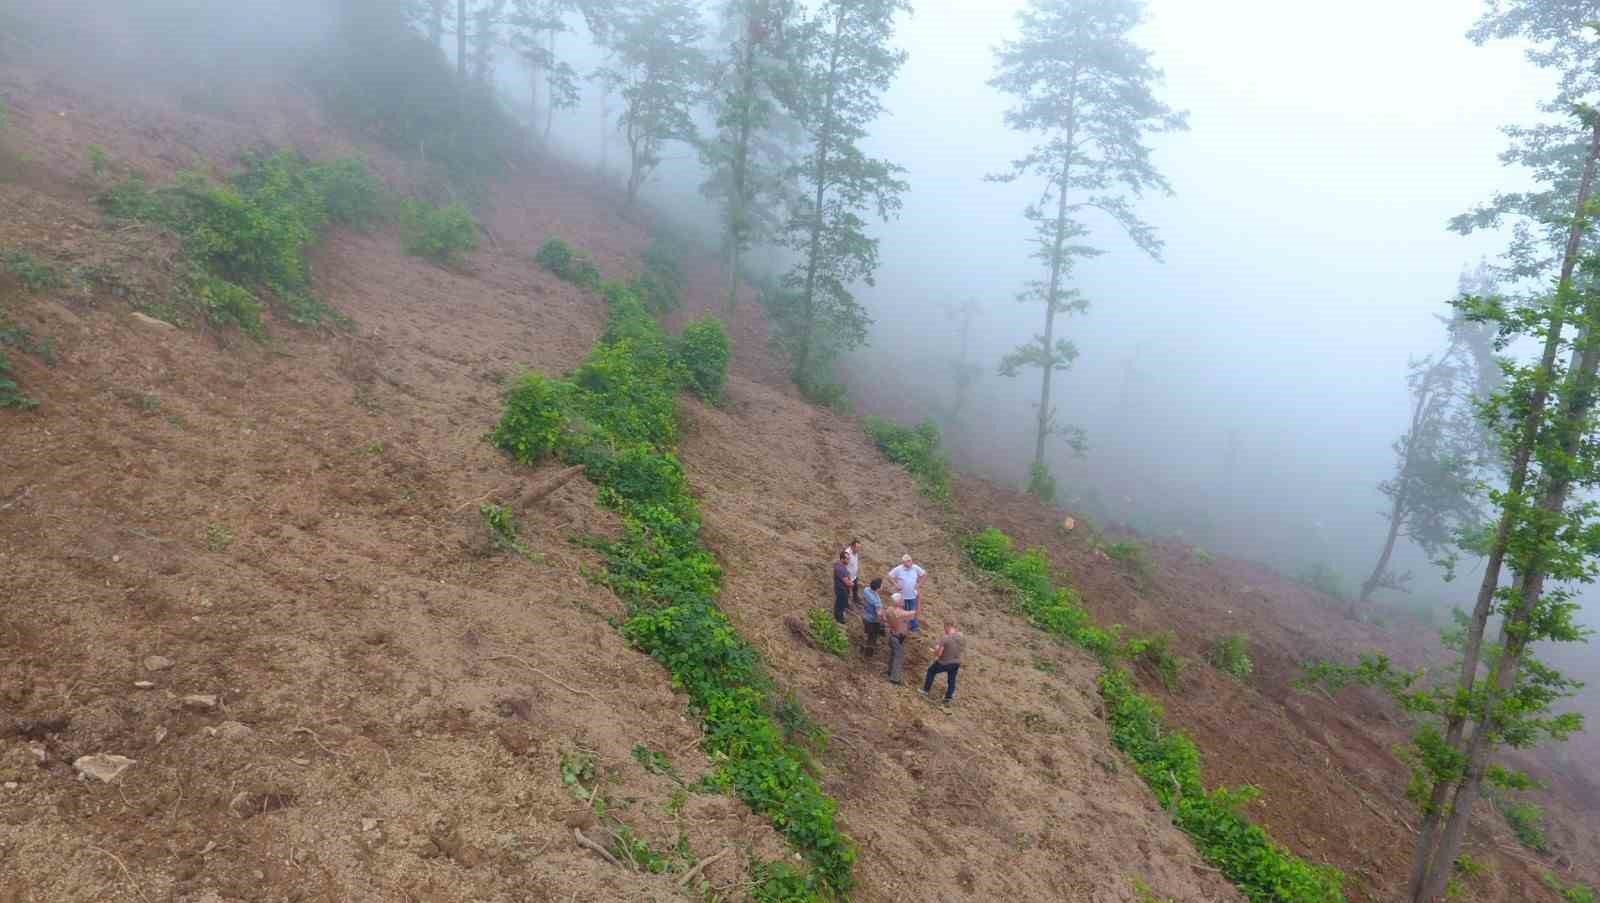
748	157
657	69
536	24
844	63
486	21
1082	85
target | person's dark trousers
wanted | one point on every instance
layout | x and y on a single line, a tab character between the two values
873	630
855	594
841	598
936	668
897	657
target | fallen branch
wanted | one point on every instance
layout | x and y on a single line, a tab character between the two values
557	682
588	844
318	740
700	866
544	490
125	873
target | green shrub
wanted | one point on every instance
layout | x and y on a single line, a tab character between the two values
34	274
1155	652
99	160
1201	556
918	450
1041	485
662	283
1526	821
1231	656
826	632
617	415
11	395
1167	760
1131	553
252	233
703	350
1571	893
1322	578
439	234
351	194
567	264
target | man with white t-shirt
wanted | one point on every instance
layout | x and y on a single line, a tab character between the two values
907	576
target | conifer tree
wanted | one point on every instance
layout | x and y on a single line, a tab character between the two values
749	154
656	68
844	63
1087	91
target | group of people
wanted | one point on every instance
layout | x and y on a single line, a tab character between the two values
898	620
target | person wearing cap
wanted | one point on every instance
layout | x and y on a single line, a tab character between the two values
907	576
871	618
898	621
841	586
946	660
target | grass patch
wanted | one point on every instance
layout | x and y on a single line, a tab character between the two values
1526	821
1571	893
218	537
34	274
11	394
439	234
1132	555
617	415
918	450
1167	760
1155	653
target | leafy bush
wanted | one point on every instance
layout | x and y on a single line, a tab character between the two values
1131	553
1167	760
703	350
1041	485
1526	821
439	234
11	395
1322	578
1231	656
34	274
918	450
250	234
567	264
1571	893
662	283
826	632
617	415
1201	556
351	194
1155	652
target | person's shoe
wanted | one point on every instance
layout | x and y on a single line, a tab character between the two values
949	701
898	683
922	693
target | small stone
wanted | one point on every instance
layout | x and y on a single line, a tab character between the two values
152	321
300	761
369	824
161	734
102	767
116	559
200	702
157	663
144	685
11	785
233	731
39	752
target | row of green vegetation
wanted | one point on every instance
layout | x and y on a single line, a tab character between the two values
617	416
246	238
1168	760
34	275
918	450
660	286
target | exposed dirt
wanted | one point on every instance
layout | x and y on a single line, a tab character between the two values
352	709
1332	788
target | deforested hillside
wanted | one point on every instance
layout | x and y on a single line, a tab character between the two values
280	623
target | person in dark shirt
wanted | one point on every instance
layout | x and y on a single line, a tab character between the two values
841	585
946	660
871	620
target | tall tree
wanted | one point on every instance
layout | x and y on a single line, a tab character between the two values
1433	494
843	66
461	40
1563	158
748	157
963	372
1081	84
486	21
656	67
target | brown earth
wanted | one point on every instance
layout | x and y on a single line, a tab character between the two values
1332	787
366	700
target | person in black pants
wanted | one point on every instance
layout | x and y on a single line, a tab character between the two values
946	660
841	585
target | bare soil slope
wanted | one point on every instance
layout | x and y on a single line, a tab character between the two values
258	572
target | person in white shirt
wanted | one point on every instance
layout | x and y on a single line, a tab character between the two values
852	563
907	577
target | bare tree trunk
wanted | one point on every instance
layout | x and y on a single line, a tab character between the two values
1048	361
824	142
1397	515
1424	860
550	90
461	40
738	213
436	23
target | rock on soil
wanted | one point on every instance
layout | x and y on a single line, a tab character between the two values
157	663
200	702
103	767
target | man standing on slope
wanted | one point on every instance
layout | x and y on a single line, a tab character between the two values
946	660
906	576
852	560
871	617
841	586
898	620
